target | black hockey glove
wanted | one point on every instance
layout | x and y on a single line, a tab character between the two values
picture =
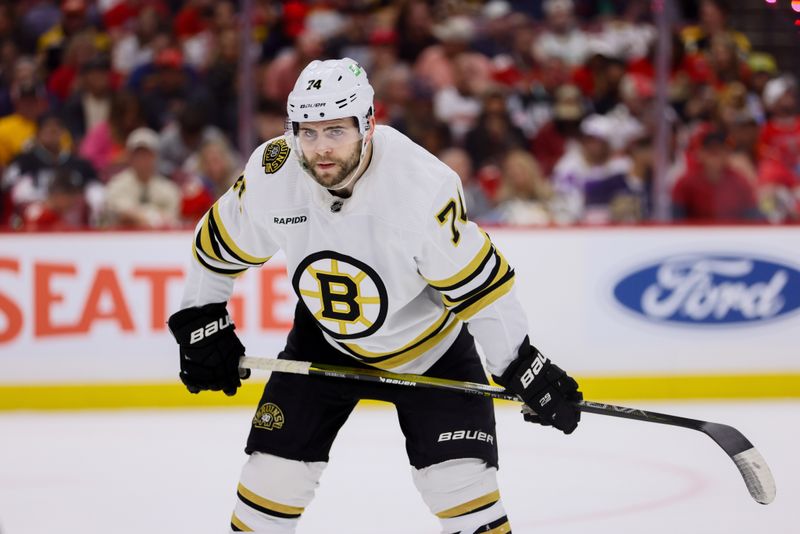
209	349
550	394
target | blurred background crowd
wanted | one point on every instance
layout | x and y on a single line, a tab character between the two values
128	113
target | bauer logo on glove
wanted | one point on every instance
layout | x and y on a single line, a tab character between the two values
533	370
540	383
209	349
211	328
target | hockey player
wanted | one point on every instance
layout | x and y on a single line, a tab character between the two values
389	272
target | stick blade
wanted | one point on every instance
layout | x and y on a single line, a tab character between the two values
756	474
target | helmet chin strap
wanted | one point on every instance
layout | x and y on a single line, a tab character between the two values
356	171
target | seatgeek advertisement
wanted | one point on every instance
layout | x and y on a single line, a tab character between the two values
92	307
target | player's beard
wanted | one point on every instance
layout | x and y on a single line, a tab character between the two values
329	179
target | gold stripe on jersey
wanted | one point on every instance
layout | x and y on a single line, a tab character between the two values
497	282
206	242
238	526
471	270
470	506
218	229
500	268
428	339
270	506
470	307
206	247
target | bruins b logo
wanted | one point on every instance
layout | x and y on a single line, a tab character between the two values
345	295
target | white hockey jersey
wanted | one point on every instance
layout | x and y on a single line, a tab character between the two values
389	273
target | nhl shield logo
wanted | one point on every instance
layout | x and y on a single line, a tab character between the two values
268	417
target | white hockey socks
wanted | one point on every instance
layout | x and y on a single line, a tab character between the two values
464	496
273	493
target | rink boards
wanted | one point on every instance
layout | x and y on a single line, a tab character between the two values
658	312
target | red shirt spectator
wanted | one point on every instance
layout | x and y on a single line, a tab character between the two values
774	171
127	10
548	146
196	199
697	197
687	68
552	139
780	141
779	149
189	21
711	190
64	208
779	169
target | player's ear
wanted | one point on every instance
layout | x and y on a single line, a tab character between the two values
371	130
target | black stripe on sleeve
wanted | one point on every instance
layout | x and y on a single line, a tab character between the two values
265	510
467	303
218	270
472	292
214	247
494	524
212	238
215	233
470	276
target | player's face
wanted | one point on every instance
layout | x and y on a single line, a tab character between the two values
330	150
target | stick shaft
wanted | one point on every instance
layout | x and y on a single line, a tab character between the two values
750	463
472	388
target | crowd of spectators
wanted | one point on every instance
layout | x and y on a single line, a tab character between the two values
123	113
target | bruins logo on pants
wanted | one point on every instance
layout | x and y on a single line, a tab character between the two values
345	295
268	416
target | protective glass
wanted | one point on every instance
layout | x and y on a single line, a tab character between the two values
315	138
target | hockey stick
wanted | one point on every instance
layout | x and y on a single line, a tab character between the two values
752	466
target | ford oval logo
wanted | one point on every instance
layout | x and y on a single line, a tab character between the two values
711	289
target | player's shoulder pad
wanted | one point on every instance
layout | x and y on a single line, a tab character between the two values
424	175
413	181
268	172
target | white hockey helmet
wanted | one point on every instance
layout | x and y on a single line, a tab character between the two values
331	89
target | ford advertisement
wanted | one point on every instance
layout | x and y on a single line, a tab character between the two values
706	289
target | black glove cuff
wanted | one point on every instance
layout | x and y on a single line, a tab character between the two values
185	316
510	373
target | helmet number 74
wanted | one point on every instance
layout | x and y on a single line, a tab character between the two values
314	84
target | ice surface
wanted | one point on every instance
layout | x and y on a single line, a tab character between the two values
176	471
